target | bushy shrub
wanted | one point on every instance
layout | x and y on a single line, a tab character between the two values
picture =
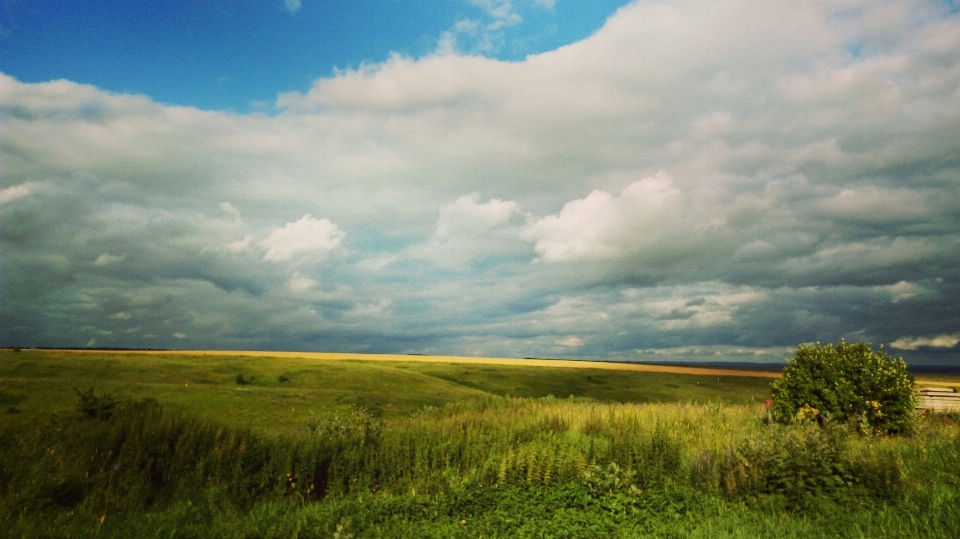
847	383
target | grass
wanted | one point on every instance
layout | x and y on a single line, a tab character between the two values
598	384
36	382
438	450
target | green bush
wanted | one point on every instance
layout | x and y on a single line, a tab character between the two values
847	383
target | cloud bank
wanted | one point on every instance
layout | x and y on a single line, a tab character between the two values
734	176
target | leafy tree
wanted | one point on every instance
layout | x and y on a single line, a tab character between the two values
848	383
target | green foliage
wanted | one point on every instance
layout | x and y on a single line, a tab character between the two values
488	467
803	466
357	426
482	466
846	383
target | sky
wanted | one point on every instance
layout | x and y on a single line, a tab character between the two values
657	180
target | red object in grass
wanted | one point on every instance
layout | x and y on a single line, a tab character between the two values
767	404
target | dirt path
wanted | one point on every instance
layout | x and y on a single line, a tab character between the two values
558	363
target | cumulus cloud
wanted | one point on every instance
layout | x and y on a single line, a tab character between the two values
468	230
736	174
308	235
468	216
647	213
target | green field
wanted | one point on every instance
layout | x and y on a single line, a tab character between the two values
36	382
173	446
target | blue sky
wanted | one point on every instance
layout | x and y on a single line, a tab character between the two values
229	54
657	180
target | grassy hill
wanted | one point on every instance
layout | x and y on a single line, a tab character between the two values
171	445
39	381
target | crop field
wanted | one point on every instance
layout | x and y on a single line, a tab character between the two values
221	444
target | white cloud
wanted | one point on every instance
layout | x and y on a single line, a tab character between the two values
794	166
875	204
570	342
240	246
16	191
107	259
376	263
870	255
602	225
717	123
467	216
308	235
292	6
374	309
500	11
301	283
903	291
913	343
230	210
468	230
703	311
400	84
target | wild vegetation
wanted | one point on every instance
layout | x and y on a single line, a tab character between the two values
849	383
478	465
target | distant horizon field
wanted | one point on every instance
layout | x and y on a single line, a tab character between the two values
924	373
35	382
914	368
761	370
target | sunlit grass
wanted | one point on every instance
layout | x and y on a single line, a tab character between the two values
35	382
408	450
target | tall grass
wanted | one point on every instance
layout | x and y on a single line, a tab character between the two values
490	466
